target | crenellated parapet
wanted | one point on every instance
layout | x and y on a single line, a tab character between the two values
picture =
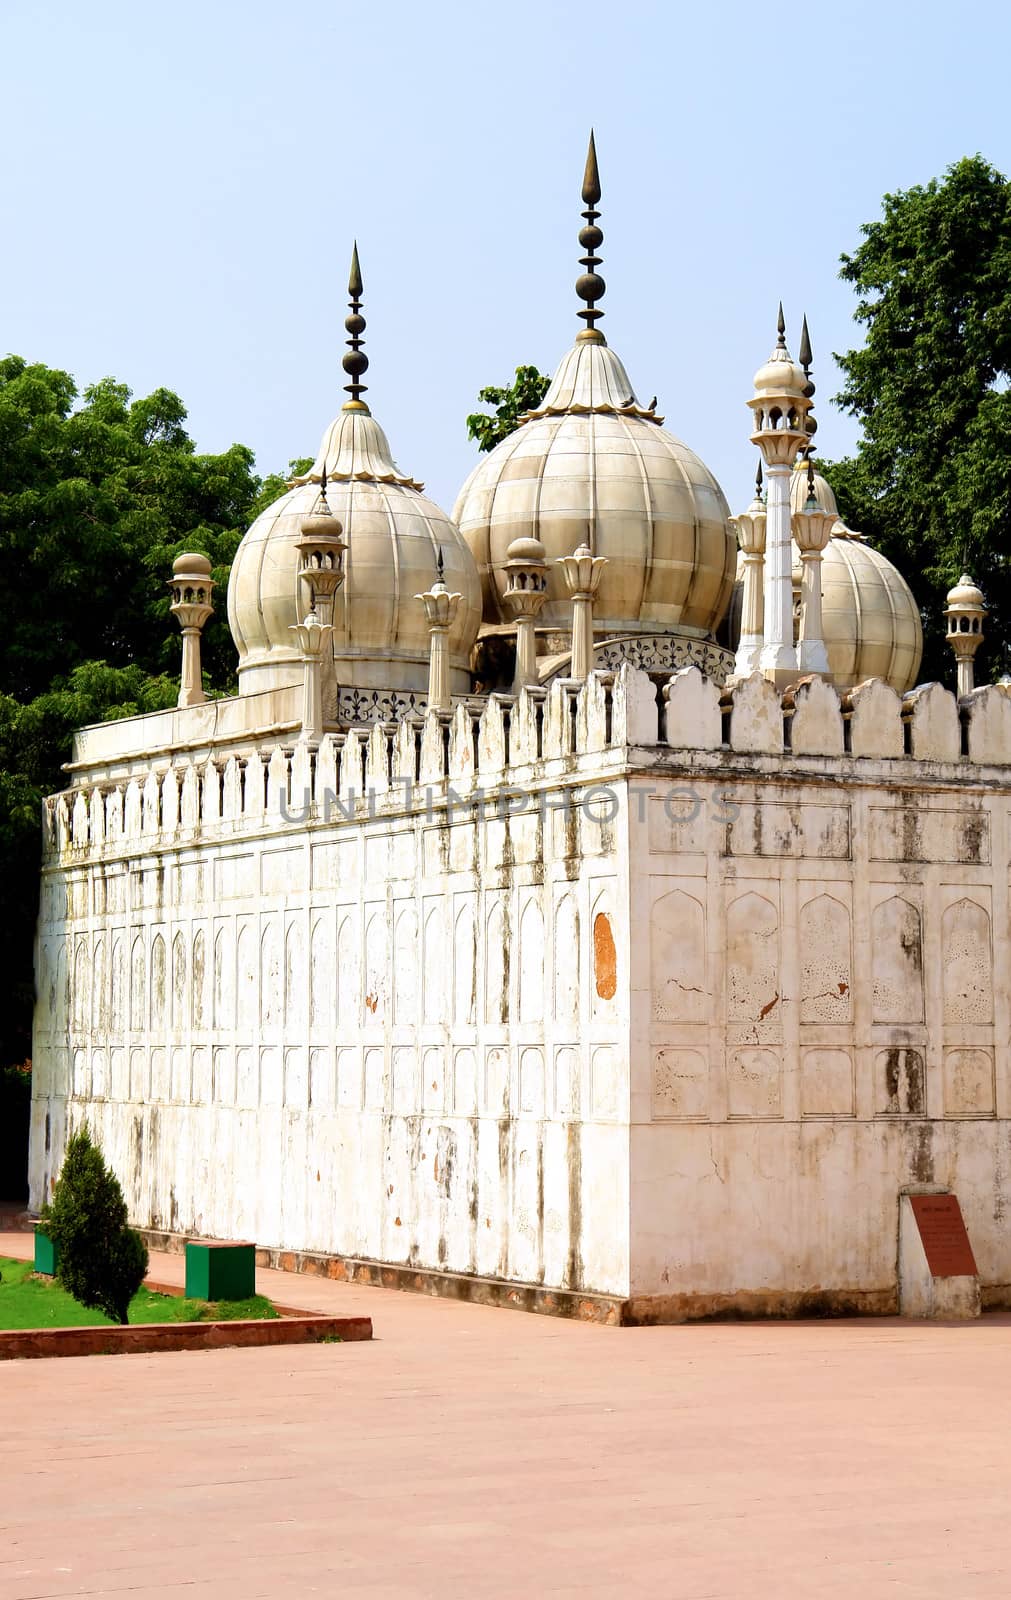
579	733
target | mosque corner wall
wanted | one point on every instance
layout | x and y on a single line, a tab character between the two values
666	999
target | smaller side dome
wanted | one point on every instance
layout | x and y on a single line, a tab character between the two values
395	539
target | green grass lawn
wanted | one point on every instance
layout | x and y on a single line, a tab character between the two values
29	1302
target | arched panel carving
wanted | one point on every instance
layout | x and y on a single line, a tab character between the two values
199	979
464	966
967	963
496	965
897	961
178	982
270	977
117	996
294	976
159	982
566	963
677	946
99	997
825	964
138	986
376	976
349	988
433	965
753	988
406	1000
322	972
245	977
531	952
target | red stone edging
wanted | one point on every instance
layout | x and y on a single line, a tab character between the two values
145	1338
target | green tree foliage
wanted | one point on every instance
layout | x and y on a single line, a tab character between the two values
931	479
102	1261
98	494
525	393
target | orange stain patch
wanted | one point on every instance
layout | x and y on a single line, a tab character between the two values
605	957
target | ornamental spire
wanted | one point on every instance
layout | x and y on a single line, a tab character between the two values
781	329
590	285
355	362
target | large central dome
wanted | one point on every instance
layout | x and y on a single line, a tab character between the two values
592	466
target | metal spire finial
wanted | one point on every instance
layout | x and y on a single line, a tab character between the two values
590	285
440	565
355	362
805	349
758	481
781	329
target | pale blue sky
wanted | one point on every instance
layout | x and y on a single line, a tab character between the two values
182	183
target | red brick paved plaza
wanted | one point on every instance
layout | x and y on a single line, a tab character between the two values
476	1452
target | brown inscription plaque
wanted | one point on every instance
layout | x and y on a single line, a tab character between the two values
943	1236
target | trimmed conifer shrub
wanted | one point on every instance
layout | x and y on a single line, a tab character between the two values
102	1261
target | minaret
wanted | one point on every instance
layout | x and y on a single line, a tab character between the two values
440	612
780	406
191	584
321	568
590	285
811	530
312	635
965	612
525	596
582	572
751	541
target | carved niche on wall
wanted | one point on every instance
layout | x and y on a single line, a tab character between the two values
897	961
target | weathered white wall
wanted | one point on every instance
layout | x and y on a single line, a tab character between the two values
379	1037
689	1053
820	1004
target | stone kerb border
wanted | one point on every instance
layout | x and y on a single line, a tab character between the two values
147	1338
481	743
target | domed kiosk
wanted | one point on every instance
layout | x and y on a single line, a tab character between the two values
870	620
591	464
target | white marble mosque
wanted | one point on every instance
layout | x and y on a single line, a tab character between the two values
578	906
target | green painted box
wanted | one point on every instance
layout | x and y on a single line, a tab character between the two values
47	1257
217	1271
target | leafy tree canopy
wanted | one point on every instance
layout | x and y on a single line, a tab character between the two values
930	482
98	494
525	393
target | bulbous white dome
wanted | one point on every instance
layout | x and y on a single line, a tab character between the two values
591	464
394	535
870	621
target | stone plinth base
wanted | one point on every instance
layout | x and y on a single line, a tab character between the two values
924	1292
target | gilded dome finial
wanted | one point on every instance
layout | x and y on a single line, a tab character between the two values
355	362
590	285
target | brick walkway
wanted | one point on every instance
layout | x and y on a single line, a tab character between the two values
470	1452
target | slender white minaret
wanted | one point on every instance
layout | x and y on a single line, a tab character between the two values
191	584
525	595
440	612
312	635
965	612
321	568
751	540
811	530
582	572
780	407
